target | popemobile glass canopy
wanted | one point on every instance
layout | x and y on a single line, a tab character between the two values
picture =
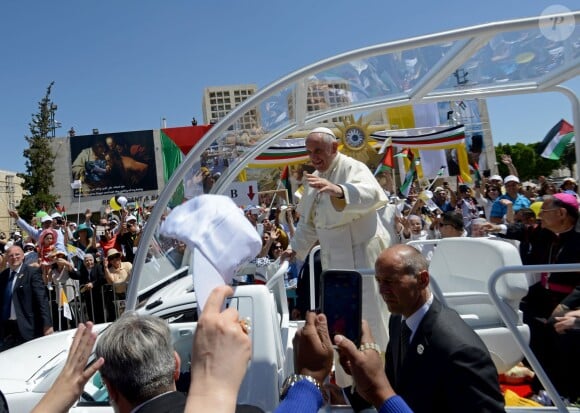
529	55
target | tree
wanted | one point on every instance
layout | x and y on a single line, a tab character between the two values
39	176
568	158
525	158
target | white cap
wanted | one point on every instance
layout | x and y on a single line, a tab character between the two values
130	218
56	215
46	218
511	178
17	234
210	225
496	178
322	129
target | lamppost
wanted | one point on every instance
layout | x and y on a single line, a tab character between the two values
53	123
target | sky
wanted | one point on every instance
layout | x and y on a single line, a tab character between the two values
124	65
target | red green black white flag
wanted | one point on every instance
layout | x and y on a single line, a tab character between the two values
556	140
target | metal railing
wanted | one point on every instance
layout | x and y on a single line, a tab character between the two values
105	306
505	313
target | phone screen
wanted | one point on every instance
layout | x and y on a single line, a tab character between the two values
342	303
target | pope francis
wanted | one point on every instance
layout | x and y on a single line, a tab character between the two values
339	210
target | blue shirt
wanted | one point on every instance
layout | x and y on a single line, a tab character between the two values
498	210
304	397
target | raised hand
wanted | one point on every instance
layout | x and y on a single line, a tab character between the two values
366	367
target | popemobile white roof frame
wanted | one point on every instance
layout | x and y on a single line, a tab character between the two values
458	49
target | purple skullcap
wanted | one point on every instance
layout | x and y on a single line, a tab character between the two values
567	199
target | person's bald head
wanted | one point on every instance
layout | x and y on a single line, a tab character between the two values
403	277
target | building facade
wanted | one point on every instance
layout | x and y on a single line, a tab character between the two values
218	101
11	194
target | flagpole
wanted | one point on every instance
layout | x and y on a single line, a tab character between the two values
393	182
79	209
439	174
275	194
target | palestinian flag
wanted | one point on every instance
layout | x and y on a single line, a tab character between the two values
291	151
436	138
556	140
388	162
476	172
285	180
410	176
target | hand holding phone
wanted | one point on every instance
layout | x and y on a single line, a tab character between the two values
342	303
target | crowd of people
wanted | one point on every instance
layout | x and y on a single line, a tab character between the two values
359	224
90	263
353	219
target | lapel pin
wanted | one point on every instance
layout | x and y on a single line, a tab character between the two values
420	349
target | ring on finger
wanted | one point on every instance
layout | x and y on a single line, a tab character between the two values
246	324
370	346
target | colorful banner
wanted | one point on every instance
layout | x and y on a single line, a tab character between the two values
113	163
451	139
285	152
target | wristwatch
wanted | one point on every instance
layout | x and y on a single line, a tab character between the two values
295	378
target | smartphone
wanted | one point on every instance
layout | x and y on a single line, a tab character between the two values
341	302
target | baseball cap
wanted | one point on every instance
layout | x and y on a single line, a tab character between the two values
439	189
56	215
511	178
496	178
130	218
28	245
214	261
252	209
46	218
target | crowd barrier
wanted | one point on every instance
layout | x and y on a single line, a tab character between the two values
102	305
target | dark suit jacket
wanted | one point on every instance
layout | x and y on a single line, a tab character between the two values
30	301
96	276
173	402
447	367
94	297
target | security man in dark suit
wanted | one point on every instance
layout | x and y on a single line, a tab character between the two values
25	313
434	360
